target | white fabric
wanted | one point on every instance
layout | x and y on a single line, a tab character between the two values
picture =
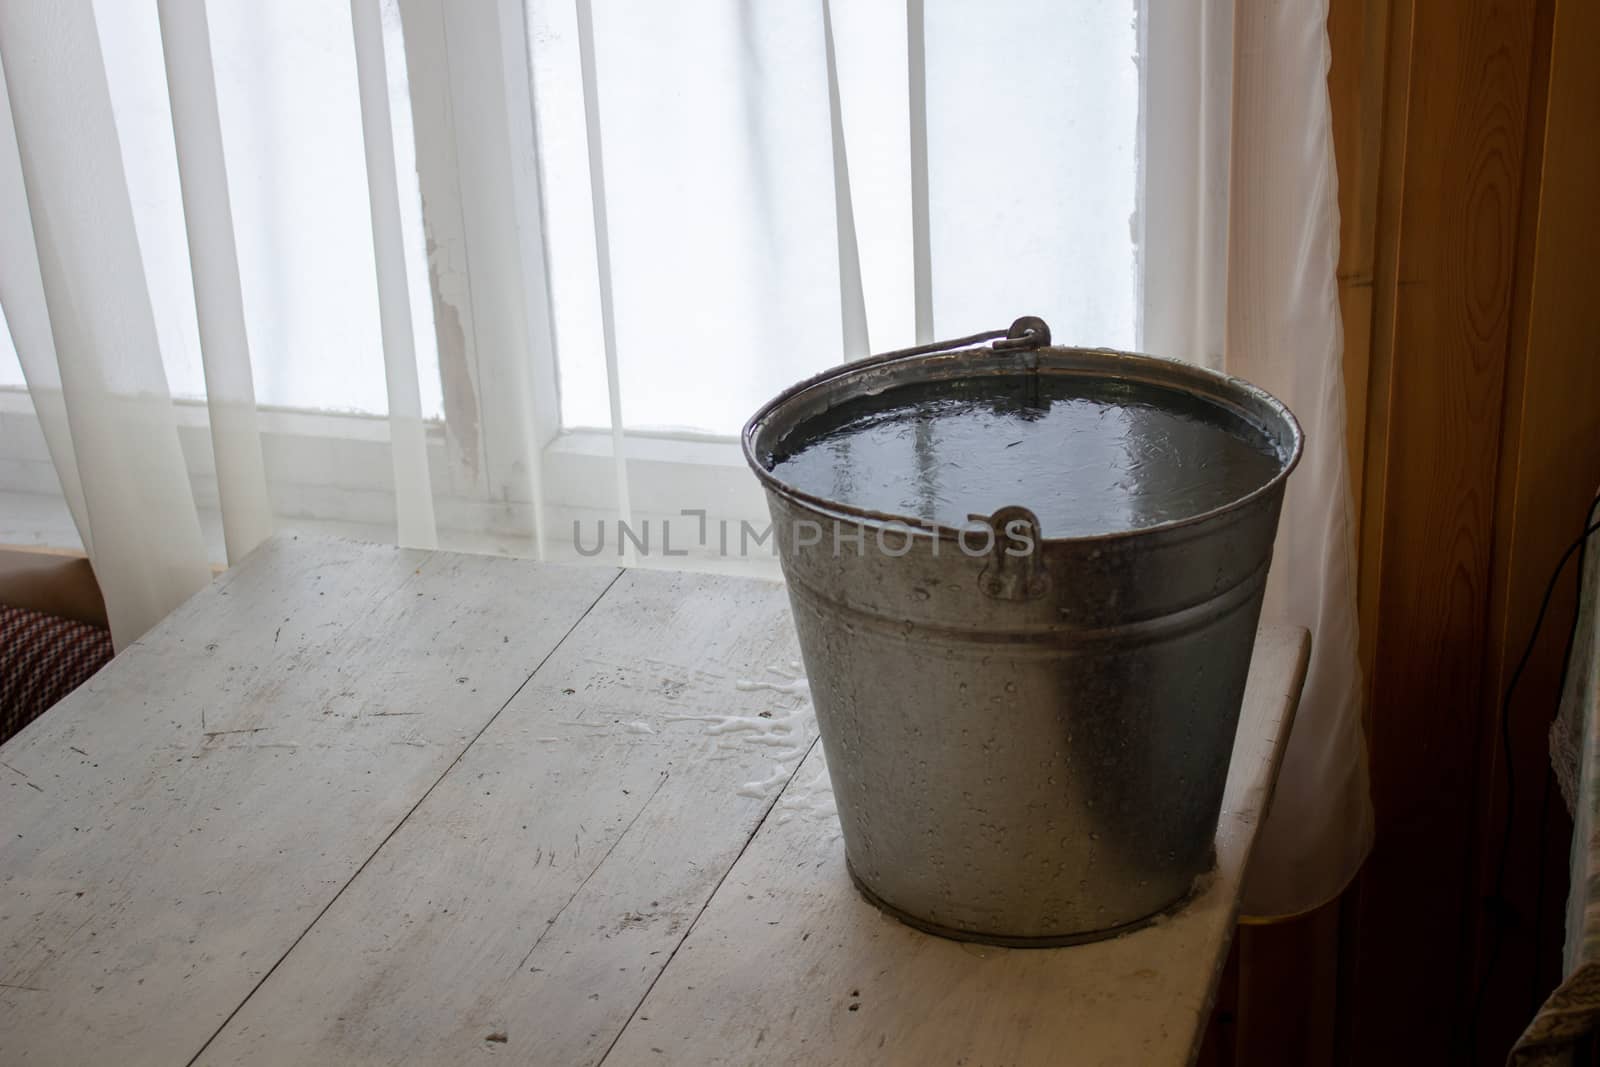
1187	75
602	254
921	224
138	515
28	319
413	490
530	312
852	297
219	302
729	196
1284	335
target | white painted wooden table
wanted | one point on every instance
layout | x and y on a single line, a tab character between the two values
354	804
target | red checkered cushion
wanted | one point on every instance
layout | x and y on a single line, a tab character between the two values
42	659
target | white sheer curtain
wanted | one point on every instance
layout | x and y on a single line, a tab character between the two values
1284	334
74	292
553	255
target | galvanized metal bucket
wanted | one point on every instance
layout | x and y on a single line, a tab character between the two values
1028	746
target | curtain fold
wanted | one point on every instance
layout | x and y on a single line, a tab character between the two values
1284	334
219	300
917	113
602	255
413	490
852	297
22	296
1186	73
138	513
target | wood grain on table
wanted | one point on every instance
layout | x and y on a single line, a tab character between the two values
172	827
359	805
537	893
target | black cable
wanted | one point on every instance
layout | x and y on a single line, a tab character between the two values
1538	892
1497	901
1511	688
1549	777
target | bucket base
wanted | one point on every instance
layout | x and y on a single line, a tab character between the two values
1008	941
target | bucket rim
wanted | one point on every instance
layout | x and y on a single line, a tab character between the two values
1165	368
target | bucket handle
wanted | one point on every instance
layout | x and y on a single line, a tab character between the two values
1016	563
1028	332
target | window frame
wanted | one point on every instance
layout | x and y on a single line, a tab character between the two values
676	478
513	468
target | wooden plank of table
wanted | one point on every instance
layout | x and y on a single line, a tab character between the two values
172	828
790	965
526	907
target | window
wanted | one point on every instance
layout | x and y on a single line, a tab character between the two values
719	173
719	183
291	124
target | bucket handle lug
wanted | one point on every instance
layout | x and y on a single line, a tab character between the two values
1028	332
1016	561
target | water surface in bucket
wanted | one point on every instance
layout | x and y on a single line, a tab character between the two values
1087	455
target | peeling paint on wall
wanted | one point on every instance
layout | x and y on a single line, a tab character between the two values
455	371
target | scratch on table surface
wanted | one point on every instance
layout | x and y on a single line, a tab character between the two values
8	767
550	924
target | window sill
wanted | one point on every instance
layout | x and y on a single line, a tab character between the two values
332	473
